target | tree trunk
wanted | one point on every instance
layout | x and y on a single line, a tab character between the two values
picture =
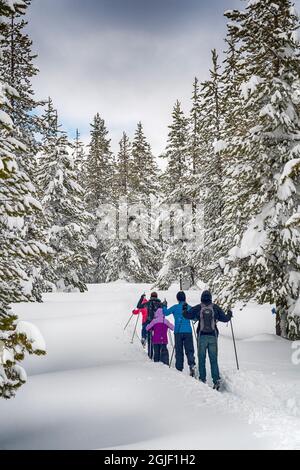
278	323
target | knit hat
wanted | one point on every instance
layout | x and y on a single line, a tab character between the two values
181	296
206	297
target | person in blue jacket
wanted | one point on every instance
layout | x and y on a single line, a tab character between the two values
183	335
207	314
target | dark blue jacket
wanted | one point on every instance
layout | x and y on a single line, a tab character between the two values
193	313
152	305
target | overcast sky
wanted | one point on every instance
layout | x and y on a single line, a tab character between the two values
129	60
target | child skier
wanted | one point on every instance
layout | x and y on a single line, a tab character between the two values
159	327
152	305
145	321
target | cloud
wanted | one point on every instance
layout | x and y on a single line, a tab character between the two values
129	60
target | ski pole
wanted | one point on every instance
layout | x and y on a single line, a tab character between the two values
197	344
171	339
193	324
128	322
136	323
172	355
233	338
136	334
174	344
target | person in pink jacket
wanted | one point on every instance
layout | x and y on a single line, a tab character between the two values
159	327
145	321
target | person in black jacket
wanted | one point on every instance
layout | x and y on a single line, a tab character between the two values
207	314
152	305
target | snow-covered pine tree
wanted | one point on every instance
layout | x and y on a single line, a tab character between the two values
122	257
175	184
210	176
79	157
144	170
98	173
265	263
145	190
16	203
194	189
49	120
123	169
234	125
65	214
17	69
79	154
195	144
99	166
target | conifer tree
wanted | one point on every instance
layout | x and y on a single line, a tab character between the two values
99	168
234	125
210	176
195	144
175	182
78	152
18	69
16	202
265	263
124	166
65	214
99	181
146	190
195	188
79	157
122	257
144	170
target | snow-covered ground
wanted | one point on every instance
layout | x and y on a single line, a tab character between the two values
96	390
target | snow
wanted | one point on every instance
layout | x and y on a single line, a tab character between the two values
291	166
296	310
220	146
255	236
14	222
13	3
95	390
253	2
31	201
33	334
249	87
294	280
5	119
293	220
286	189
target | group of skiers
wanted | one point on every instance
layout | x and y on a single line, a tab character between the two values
155	328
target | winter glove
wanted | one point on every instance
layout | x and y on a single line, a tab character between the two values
230	314
165	303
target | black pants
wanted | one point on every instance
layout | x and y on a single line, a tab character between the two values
184	341
161	353
150	344
144	331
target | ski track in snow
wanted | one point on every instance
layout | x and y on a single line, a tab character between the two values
96	390
261	400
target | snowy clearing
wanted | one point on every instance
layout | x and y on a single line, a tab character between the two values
95	390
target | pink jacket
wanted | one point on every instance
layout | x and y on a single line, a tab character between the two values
143	311
160	326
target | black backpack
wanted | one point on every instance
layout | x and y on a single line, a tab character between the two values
153	305
207	322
